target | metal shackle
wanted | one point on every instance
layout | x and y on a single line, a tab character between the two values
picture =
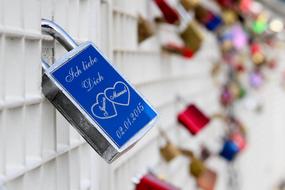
51	28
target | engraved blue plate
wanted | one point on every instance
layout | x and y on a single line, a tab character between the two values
103	95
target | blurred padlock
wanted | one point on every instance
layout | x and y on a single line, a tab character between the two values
169	152
226	97
256	78
193	119
178	49
151	182
239	37
257	54
239	140
170	14
245	5
259	26
229	17
189	4
205	153
207	181
145	29
206	17
226	3
237	90
192	36
229	150
196	167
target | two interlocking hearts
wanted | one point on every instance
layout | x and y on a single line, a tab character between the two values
105	106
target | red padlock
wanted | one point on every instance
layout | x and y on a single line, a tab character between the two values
170	15
239	140
151	182
178	49
193	119
226	3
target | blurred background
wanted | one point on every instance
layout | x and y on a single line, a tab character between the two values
213	69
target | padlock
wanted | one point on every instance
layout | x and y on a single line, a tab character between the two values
206	17
169	152
145	29
245	5
259	27
189	4
193	119
257	54
239	140
170	14
196	167
229	17
226	97
230	150
207	181
239	37
178	49
256	79
98	102
192	36
205	153
227	3
151	182
237	90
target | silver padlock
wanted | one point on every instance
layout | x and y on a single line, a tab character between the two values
94	97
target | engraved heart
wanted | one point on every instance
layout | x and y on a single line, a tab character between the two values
118	94
103	108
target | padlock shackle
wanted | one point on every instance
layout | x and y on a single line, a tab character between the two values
51	28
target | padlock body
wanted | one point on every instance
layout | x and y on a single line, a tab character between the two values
207	181
169	152
170	14
193	119
229	150
151	182
192	37
197	167
94	97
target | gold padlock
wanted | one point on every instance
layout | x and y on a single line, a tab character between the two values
197	167
189	4
192	36
229	17
145	29
169	152
258	58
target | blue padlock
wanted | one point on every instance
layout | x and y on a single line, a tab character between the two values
94	97
229	150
